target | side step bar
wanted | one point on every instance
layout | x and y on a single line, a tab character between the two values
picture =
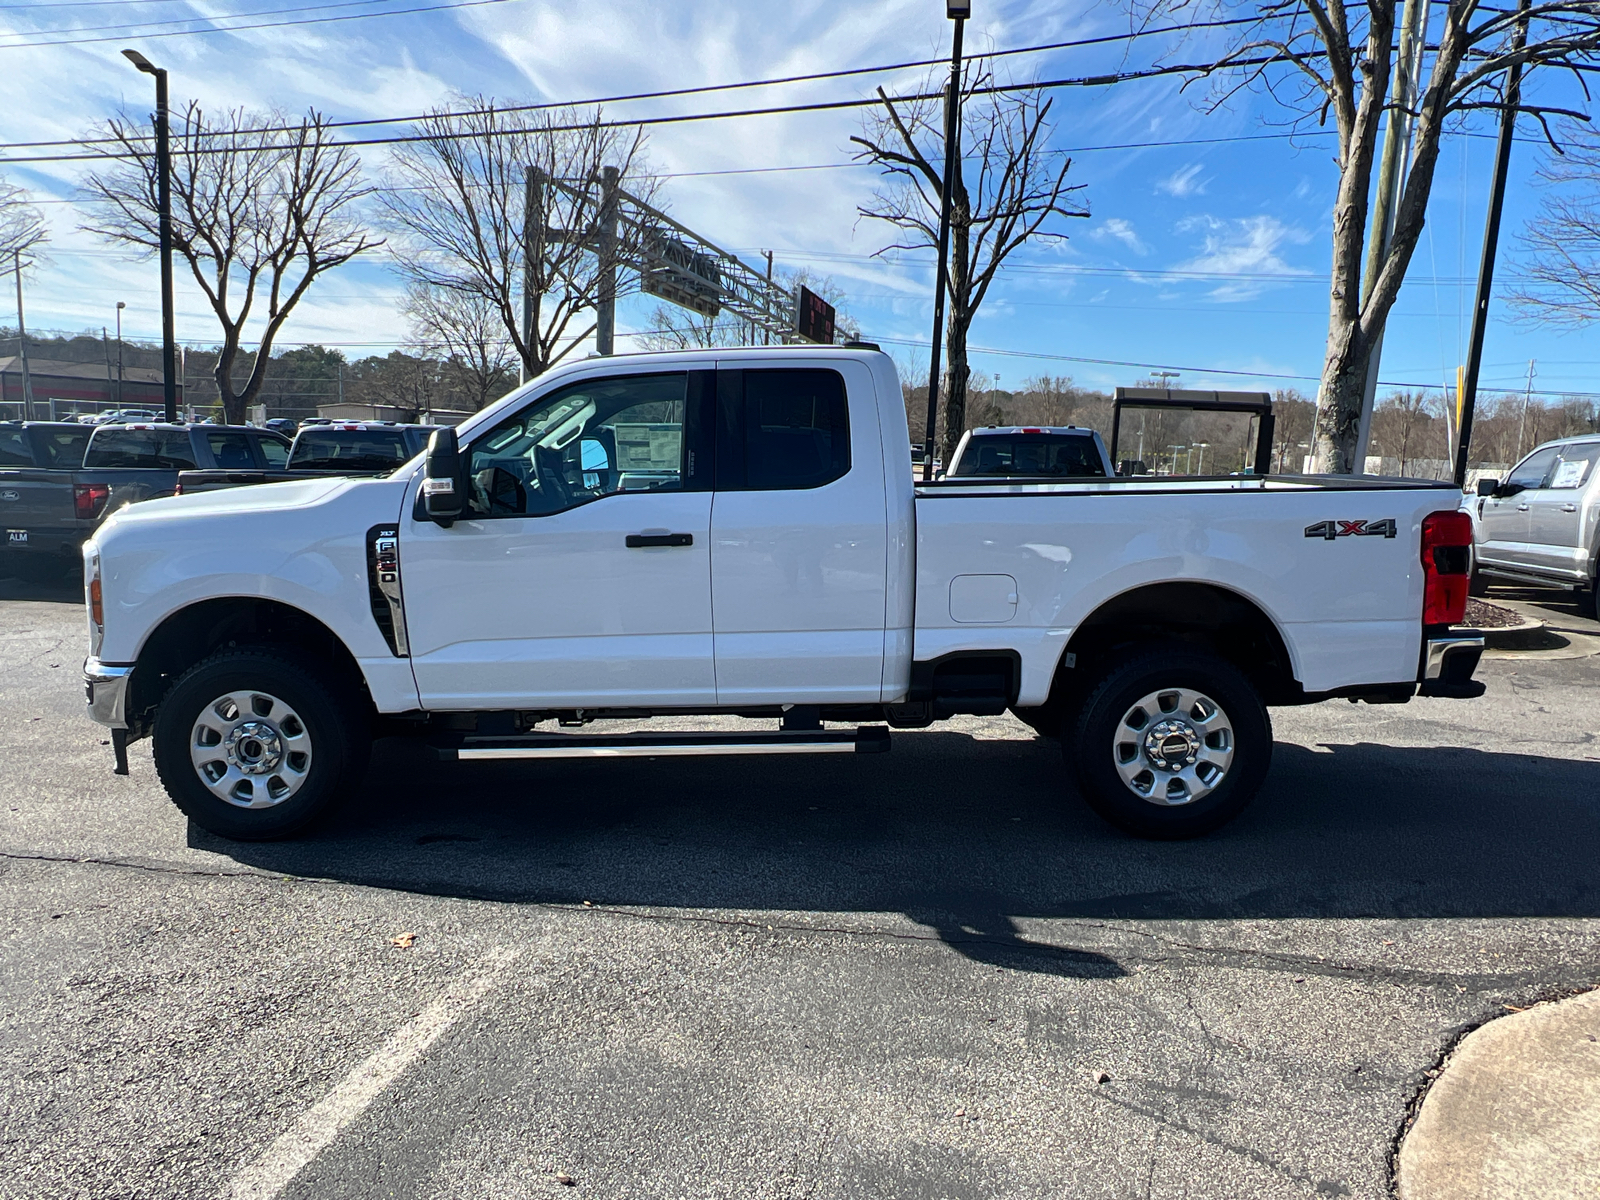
869	739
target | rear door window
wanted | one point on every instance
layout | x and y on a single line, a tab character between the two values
152	449
63	448
230	450
781	430
273	452
14	448
1574	466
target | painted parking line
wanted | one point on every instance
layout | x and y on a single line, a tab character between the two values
316	1129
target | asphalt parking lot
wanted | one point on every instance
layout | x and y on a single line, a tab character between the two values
928	974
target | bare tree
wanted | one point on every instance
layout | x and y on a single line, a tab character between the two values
261	207
22	229
1324	58
996	206
1562	243
1403	425
465	331
456	203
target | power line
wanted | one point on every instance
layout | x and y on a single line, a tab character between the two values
131	26
596	101
398	12
685	118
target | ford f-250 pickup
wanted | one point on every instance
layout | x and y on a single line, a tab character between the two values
738	533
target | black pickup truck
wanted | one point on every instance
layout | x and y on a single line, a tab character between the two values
59	481
342	448
47	509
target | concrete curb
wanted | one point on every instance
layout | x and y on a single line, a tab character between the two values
1515	1112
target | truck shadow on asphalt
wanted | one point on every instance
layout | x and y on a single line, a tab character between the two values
967	838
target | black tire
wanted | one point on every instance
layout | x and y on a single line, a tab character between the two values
1478	584
1098	743
328	714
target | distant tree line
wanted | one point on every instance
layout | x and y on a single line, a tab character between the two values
293	383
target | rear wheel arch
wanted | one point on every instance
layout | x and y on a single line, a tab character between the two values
1207	616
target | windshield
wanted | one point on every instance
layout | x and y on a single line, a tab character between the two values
1070	455
65	446
349	450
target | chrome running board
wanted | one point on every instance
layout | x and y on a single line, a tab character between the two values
868	739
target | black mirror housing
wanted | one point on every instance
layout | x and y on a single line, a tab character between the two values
1488	486
443	497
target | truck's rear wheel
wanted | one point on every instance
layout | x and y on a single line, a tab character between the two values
1171	743
255	744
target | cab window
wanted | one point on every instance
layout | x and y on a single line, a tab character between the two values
1531	471
580	443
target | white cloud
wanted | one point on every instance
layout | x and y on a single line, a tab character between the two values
1122	231
1184	181
1246	247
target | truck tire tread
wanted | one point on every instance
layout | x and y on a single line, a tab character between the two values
333	711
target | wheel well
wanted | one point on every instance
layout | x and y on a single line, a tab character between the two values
192	633
1202	614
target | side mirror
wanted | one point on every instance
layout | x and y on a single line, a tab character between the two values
442	497
1488	485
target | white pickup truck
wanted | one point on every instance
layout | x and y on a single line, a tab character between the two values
738	533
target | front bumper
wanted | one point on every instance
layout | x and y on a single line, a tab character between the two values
1448	662
106	688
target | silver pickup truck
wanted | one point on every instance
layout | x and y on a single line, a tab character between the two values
1541	523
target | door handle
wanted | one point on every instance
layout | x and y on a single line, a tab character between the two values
640	541
1569	508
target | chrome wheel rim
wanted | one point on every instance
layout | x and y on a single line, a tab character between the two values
250	749
1173	746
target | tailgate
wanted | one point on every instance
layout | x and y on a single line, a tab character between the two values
36	509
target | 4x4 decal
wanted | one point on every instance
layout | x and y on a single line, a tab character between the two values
1338	529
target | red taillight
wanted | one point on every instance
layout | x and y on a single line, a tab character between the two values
1446	567
89	498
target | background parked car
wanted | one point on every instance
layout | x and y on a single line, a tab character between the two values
1033	451
47	508
1541	523
342	448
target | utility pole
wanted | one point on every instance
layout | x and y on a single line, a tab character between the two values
22	341
1491	241
1162	377
1391	177
105	344
766	337
169	340
1522	425
120	307
957	11
605	313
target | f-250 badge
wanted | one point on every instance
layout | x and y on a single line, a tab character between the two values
1338	529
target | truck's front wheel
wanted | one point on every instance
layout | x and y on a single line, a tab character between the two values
254	744
1171	743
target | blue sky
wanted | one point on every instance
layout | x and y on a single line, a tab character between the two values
1207	254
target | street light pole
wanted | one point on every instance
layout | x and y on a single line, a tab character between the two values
169	339
957	11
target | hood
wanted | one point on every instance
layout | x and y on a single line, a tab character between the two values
253	498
